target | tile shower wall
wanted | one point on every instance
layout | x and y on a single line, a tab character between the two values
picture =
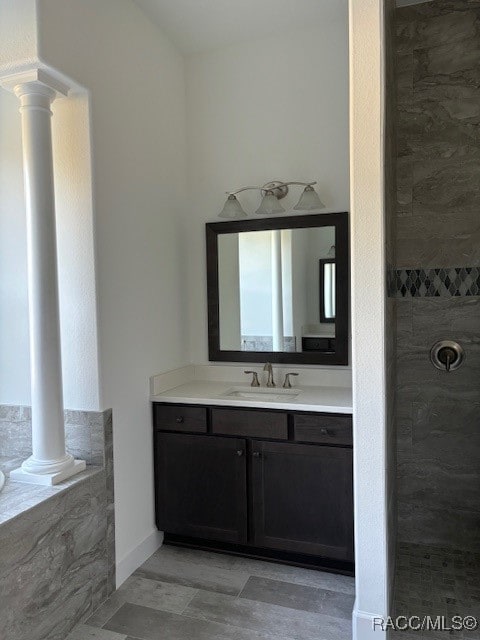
438	253
57	559
391	303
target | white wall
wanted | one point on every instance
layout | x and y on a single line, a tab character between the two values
75	247
368	313
14	351
137	110
71	146
18	33
270	109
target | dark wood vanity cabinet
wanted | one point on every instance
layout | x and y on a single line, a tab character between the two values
302	498
262	480
201	486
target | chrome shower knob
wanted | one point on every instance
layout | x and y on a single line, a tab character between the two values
447	355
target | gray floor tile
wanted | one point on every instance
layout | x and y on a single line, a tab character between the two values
301	597
192	570
150	624
84	632
155	594
145	592
267	618
184	594
176	557
104	612
307	577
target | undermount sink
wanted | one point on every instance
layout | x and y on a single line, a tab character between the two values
259	393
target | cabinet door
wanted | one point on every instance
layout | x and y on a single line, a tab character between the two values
303	499
201	486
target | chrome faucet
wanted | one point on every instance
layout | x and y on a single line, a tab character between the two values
287	384
255	382
270	381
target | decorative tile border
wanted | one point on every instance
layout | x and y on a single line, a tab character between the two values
424	283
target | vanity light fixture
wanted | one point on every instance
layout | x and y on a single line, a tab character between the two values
272	192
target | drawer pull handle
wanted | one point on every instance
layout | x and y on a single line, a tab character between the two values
179	420
257	454
239	453
324	432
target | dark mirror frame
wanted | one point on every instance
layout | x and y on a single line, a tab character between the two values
337	220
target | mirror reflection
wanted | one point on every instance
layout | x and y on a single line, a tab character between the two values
327	288
277	290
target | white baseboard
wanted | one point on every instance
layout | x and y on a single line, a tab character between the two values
364	627
137	556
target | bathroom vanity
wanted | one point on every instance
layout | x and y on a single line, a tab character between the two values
264	470
263	481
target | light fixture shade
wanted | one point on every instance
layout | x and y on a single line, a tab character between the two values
232	208
309	201
269	205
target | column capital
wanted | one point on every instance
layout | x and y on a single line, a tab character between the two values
35	81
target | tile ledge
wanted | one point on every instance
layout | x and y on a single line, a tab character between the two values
18	498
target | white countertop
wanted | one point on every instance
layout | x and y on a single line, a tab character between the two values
307	398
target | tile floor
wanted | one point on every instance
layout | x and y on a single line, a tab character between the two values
183	594
436	581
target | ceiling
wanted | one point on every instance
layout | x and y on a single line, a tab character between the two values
199	25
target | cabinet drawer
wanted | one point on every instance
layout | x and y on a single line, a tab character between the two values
179	418
323	429
250	424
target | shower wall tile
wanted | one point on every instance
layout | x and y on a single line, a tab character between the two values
438	226
437	433
432	483
404	78
444	240
455	529
436	319
451	64
438	441
404	188
438	145
435	127
404	319
443	23
391	191
446	186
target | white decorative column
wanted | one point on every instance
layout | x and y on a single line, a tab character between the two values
49	463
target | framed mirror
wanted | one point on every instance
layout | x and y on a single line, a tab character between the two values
268	299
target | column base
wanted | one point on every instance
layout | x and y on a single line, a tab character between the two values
48	479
